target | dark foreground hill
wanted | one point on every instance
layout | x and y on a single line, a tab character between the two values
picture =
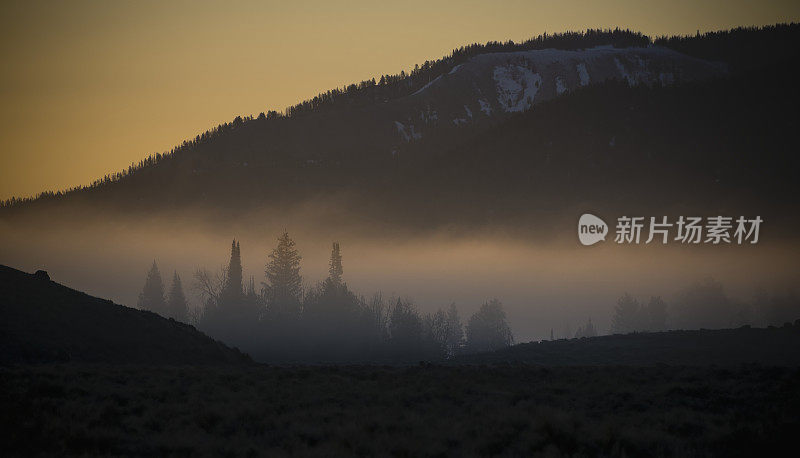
43	321
722	347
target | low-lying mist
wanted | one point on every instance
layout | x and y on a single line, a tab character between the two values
546	286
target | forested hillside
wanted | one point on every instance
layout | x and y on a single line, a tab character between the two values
701	134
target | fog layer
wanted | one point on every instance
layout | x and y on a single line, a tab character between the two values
546	286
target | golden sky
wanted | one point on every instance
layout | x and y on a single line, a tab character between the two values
87	87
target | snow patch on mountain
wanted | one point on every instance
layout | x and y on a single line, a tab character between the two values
407	133
561	85
428	85
494	84
428	115
485	107
516	86
583	74
460	121
631	80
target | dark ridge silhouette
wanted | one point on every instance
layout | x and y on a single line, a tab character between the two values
773	346
349	135
741	48
43	321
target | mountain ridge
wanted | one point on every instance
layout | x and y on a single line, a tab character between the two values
377	155
709	45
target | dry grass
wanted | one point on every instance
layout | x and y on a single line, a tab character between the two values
398	411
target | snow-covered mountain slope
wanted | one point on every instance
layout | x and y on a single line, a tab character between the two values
492	85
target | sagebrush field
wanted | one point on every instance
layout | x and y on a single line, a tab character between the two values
424	410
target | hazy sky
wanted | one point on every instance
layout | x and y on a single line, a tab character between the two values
87	87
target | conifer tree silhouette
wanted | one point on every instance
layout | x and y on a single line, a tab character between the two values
284	282
335	270
177	307
152	295
232	292
487	329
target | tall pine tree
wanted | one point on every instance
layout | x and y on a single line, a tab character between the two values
335	270
284	283
232	291
177	307
152	295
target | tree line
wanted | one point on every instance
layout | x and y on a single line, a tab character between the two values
281	320
703	305
402	84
